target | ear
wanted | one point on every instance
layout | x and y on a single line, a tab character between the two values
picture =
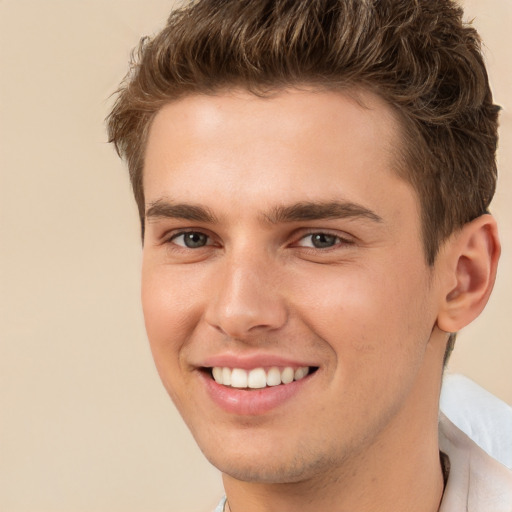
471	258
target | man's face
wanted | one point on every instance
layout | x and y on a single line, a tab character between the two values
278	237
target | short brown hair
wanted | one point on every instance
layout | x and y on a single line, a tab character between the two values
418	55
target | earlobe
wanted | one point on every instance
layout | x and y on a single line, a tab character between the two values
471	258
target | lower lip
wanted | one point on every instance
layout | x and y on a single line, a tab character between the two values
252	402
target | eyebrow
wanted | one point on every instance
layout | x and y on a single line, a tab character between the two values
307	211
302	211
163	208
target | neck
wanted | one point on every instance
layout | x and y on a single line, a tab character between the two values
400	471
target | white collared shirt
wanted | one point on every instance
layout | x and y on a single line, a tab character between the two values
477	482
475	432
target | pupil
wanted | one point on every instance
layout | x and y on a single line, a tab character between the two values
321	240
194	240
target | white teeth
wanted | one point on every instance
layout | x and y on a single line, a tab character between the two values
287	375
273	377
257	378
238	378
217	374
300	373
226	377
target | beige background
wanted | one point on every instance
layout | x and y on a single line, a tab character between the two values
85	424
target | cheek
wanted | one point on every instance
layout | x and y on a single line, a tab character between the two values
168	314
374	324
169	305
378	313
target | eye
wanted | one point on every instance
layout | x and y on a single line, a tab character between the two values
191	239
321	240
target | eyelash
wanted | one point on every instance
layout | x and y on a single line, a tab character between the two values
173	237
339	240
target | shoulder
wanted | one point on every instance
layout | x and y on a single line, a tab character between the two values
475	432
484	418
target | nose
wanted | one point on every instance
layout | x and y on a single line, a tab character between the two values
247	298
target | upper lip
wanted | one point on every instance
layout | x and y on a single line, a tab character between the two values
250	361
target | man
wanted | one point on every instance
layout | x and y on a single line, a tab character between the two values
313	181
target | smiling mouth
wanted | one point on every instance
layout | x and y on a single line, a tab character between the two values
258	378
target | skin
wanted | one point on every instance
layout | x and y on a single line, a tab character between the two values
364	308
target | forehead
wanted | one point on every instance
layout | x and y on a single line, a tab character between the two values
295	144
302	113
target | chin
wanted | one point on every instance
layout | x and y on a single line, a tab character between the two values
274	468
259	472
